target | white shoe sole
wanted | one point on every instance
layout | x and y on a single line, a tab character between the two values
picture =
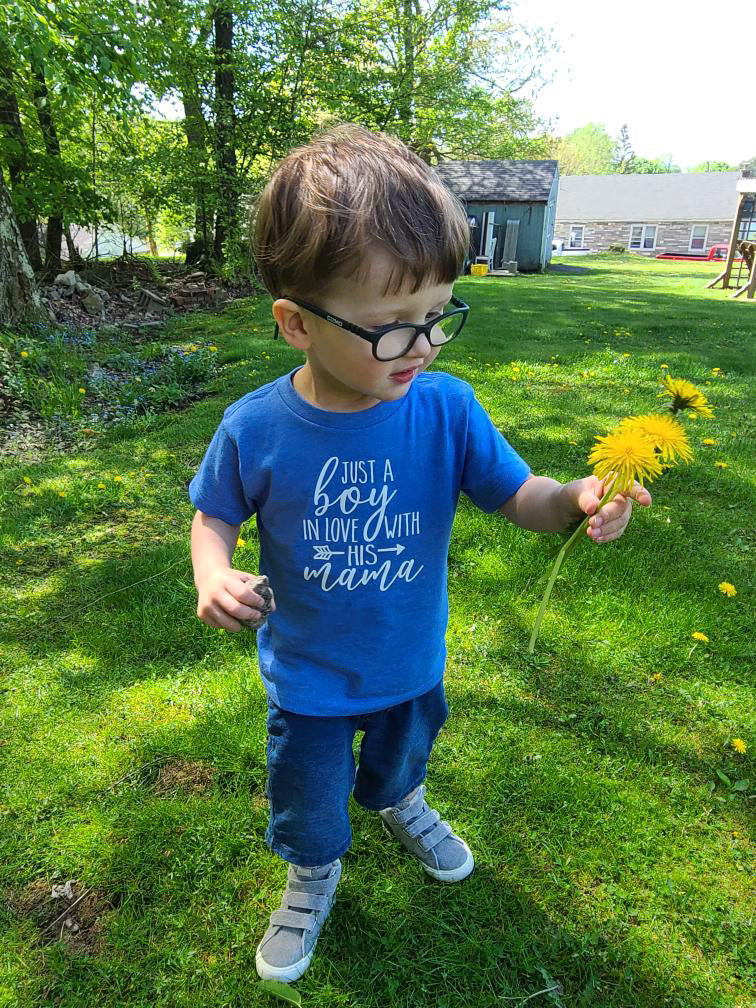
441	875
286	974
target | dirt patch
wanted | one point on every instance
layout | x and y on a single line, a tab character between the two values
63	911
184	775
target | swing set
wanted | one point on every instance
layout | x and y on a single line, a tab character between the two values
742	240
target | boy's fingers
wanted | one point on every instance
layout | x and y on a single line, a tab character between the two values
223	621
237	609
640	494
257	593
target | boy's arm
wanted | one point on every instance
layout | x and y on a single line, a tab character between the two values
545	505
213	544
226	598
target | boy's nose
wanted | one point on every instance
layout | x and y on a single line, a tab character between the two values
421	347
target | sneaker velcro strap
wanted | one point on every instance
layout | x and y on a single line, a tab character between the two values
317	886
439	832
429	818
306	901
290	918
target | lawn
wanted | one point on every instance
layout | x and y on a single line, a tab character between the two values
596	781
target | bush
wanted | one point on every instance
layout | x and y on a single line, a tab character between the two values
615	247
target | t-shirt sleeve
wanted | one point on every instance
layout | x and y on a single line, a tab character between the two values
493	470
217	487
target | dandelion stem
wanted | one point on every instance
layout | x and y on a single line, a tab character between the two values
610	493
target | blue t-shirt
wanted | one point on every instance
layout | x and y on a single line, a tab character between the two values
354	514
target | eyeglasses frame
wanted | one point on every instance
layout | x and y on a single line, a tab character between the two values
373	335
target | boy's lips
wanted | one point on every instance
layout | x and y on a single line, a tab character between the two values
406	372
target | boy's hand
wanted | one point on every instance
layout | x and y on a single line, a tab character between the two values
227	596
612	520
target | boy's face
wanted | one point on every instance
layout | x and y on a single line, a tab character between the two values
341	372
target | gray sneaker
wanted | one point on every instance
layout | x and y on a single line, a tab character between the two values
289	943
443	854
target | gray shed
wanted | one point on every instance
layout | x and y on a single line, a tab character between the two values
511	207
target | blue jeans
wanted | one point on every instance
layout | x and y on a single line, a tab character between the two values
311	771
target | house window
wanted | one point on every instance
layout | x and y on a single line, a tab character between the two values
643	236
576	236
698	235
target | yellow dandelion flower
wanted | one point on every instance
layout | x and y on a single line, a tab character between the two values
61	494
667	434
709	441
26	479
716	370
664	365
625	354
685	396
700	636
727	589
656	677
83	391
241	542
213	347
118	479
627	452
24	353
721	465
739	745
100	486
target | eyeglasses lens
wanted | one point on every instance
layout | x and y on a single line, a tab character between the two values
397	342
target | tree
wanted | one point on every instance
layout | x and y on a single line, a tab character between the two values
623	156
655	166
714	166
19	297
585	151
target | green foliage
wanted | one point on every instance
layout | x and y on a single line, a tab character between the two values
654	166
105	62
586	151
714	166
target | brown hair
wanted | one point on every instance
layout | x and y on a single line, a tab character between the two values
349	187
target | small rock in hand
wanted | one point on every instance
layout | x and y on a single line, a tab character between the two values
261	587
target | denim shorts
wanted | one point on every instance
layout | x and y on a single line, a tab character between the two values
311	771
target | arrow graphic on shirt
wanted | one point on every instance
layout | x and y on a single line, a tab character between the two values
325	552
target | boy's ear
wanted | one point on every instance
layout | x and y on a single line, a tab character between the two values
291	324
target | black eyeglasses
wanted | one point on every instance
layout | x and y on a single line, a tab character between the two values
392	341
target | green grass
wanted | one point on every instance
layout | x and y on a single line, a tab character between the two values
611	858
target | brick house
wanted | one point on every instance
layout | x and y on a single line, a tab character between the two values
648	214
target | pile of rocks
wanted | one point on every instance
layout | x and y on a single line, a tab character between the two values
65	285
126	294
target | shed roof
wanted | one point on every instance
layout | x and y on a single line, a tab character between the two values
689	196
501	181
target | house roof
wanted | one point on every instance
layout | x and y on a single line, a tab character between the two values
502	181
691	196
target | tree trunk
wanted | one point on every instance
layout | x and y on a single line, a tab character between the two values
19	297
225	141
18	156
151	238
74	256
195	128
54	237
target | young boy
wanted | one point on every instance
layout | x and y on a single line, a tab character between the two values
353	464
